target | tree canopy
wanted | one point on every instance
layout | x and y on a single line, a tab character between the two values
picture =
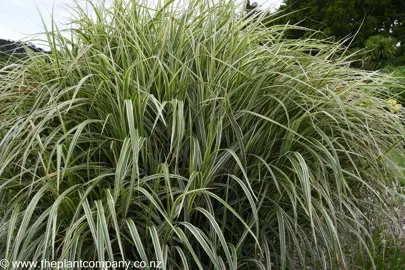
8	47
341	18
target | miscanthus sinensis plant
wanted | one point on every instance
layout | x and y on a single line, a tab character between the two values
192	136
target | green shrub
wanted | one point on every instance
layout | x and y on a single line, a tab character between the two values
381	52
191	136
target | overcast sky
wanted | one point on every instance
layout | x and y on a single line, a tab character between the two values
20	18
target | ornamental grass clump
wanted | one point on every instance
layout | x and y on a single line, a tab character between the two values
191	135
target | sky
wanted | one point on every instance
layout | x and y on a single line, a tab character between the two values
20	19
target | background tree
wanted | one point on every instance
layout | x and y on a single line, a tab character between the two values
8	47
380	52
343	18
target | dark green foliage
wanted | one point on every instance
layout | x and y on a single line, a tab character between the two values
343	18
13	51
8	47
380	52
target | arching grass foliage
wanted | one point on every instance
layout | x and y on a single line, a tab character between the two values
189	135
